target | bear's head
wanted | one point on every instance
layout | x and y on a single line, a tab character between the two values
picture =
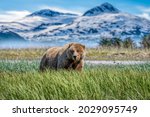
75	51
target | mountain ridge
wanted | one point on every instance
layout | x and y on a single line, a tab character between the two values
49	13
103	8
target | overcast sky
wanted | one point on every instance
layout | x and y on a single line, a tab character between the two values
15	9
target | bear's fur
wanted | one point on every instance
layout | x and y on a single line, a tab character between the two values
70	56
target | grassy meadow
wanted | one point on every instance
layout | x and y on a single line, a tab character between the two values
22	80
91	54
20	77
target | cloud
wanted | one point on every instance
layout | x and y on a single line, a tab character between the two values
145	12
60	9
8	16
144	9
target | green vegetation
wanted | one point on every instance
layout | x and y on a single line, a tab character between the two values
125	43
22	80
108	42
104	53
129	43
146	41
20	77
117	43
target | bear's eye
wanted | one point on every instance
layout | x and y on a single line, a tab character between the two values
72	51
78	51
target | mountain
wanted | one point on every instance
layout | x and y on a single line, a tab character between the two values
103	8
6	36
9	39
101	21
49	13
107	21
39	22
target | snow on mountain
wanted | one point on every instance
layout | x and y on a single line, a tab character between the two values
47	17
39	22
49	13
103	8
101	21
103	25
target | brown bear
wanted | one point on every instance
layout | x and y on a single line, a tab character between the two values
70	56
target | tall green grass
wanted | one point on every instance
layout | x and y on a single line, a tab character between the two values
22	80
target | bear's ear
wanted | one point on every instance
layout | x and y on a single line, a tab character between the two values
83	46
70	44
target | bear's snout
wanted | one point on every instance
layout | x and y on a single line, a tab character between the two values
74	57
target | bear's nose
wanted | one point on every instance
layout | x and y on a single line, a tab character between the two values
74	56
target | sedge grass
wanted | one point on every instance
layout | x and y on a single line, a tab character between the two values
22	81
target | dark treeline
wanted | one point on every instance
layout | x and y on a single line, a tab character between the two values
125	43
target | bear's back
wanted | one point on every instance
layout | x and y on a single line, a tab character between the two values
51	56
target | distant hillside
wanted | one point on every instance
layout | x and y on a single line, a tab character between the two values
6	35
